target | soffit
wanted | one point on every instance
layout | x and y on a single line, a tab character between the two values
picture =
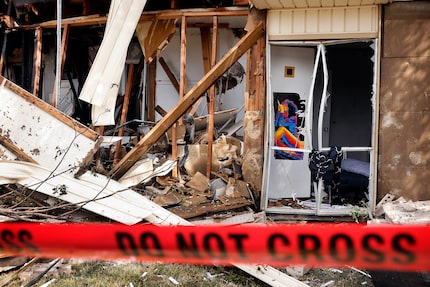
293	4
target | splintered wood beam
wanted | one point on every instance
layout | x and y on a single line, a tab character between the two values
186	102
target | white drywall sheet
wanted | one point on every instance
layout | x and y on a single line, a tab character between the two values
49	137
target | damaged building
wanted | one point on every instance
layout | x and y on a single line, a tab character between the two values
292	109
213	111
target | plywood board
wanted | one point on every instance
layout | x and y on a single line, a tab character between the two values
49	137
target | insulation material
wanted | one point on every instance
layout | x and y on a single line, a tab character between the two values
103	81
43	133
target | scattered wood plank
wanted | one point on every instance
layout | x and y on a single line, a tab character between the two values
236	218
41	273
208	208
11	276
182	106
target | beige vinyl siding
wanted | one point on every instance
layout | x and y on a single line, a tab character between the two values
293	4
323	23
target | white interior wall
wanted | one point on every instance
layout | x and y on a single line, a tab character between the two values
166	95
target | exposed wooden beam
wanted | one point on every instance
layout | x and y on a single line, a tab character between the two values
176	14
22	156
152	87
183	64
183	105
211	94
205	34
183	88
169	74
124	111
37	61
76	21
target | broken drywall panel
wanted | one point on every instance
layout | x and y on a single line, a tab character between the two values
142	171
101	86
138	173
47	136
198	182
93	192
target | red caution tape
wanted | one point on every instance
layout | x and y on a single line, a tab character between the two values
390	247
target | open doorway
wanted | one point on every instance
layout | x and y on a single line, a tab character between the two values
320	127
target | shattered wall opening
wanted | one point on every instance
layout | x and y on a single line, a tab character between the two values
321	131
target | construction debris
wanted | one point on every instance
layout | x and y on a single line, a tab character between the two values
401	211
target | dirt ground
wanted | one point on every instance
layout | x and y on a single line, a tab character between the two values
110	273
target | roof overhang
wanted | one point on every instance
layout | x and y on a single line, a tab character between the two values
293	4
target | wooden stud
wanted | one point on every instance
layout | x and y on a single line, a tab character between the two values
182	86
152	87
205	33
124	111
211	94
185	103
169	74
183	65
37	61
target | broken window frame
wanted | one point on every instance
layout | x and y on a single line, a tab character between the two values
320	58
